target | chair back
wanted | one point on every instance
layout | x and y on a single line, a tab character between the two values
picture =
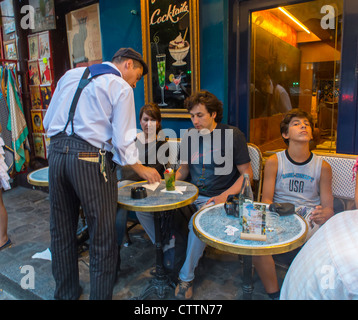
343	186
256	164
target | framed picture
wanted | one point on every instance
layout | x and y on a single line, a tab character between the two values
34	73
10	50
35	95
84	36
37	117
40	145
44	45
45	71
171	49
33	44
44	14
7	12
46	94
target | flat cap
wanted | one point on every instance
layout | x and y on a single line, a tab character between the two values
132	54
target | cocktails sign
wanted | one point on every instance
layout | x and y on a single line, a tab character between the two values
170	46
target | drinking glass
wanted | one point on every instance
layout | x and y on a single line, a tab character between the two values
161	75
169	180
176	81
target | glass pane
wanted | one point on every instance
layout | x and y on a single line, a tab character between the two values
295	63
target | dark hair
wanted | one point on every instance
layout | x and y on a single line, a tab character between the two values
210	101
152	110
120	59
294	113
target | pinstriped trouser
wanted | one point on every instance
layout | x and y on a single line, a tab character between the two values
74	182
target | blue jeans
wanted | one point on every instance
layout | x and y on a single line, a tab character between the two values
195	247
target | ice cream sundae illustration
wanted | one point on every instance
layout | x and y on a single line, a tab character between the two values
179	49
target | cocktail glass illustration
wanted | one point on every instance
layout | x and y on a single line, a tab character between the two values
176	81
161	75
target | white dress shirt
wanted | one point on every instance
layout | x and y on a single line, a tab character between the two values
105	114
326	268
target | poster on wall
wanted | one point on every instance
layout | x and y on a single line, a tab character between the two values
35	95
171	47
10	50
44	14
37	117
84	36
46	94
44	45
34	73
45	71
33	44
7	12
40	145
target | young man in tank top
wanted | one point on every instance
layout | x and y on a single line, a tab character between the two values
298	176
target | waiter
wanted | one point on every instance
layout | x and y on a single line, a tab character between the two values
91	113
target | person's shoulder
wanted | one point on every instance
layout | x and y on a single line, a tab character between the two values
224	126
271	160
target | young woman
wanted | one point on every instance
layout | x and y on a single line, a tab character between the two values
148	146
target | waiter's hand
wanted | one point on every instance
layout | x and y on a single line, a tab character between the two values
150	174
147	173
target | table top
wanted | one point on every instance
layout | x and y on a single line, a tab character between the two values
157	200
210	225
38	177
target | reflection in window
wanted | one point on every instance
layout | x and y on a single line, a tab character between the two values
295	63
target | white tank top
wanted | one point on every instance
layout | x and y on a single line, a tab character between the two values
298	183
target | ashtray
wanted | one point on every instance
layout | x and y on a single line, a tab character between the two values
138	192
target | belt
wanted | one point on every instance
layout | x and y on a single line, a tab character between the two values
89	156
98	157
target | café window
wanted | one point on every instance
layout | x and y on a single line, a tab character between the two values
295	63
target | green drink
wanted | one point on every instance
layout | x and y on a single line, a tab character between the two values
169	176
161	75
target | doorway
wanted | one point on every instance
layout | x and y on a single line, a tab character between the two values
289	56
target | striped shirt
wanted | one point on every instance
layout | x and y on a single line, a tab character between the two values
326	268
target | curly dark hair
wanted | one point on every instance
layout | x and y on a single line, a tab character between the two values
210	101
287	117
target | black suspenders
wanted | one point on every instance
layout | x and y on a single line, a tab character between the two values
83	82
95	70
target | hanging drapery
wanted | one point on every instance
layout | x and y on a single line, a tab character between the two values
16	123
4	116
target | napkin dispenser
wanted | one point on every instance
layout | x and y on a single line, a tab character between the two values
138	192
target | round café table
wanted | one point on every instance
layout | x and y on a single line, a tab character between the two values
210	224
158	203
38	177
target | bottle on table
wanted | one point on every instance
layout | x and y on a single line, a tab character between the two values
246	195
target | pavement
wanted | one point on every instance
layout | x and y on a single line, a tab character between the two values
24	277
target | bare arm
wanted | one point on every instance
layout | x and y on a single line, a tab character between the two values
325	211
183	172
147	173
269	183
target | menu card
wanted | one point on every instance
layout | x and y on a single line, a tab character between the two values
254	222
